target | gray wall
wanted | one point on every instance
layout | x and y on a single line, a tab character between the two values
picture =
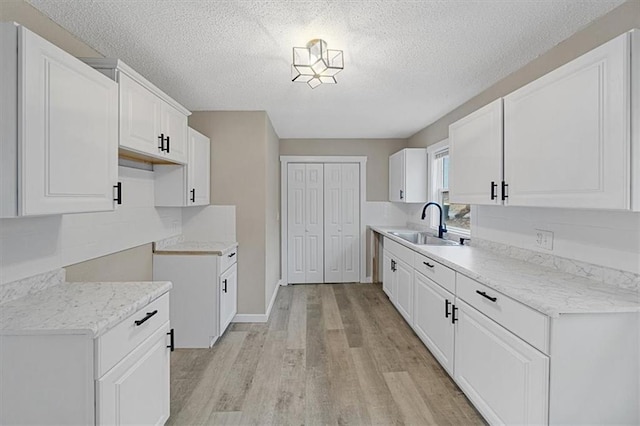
377	152
616	22
242	174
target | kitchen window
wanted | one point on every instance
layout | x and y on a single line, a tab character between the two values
457	216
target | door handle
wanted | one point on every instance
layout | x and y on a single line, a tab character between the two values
193	195
161	142
172	345
446	308
224	289
494	186
401	194
453	314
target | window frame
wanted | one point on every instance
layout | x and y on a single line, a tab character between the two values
435	194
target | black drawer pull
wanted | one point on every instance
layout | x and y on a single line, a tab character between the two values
446	308
172	345
225	285
428	264
232	254
193	195
149	315
118	198
485	295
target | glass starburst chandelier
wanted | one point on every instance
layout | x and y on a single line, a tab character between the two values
315	64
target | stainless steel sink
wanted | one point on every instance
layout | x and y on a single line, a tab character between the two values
423	238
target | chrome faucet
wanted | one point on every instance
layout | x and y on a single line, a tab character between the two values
442	227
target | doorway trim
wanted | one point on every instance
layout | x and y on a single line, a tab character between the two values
284	224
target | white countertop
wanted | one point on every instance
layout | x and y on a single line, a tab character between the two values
198	247
544	289
78	308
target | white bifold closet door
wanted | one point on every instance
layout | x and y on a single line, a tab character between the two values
305	209
341	223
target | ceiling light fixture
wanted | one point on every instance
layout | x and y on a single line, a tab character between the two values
315	64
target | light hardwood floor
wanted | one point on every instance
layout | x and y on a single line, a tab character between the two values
330	354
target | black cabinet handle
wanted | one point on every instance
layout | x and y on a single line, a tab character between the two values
168	145
505	186
224	289
232	254
453	314
393	265
172	345
485	295
118	198
161	143
428	264
401	194
446	308
143	320
193	195
494	186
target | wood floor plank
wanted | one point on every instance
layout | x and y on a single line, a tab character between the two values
350	323
225	418
243	369
330	312
279	318
290	403
297	327
379	402
260	401
404	392
349	401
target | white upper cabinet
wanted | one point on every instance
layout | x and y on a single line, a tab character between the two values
566	135
153	126
59	130
475	152
570	138
182	186
408	176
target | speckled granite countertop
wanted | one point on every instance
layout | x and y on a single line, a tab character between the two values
195	247
78	308
544	289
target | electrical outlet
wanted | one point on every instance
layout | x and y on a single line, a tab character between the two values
544	239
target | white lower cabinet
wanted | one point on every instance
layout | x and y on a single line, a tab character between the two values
387	275
228	296
136	390
65	377
397	277
505	378
404	290
432	320
204	295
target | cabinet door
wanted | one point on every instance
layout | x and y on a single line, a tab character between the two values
341	223
174	126
199	167
388	275
404	290
396	177
139	118
567	134
432	319
69	127
475	155
505	378
228	296
136	390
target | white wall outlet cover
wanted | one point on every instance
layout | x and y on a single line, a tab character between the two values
544	239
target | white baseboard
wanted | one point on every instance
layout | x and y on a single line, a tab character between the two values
259	317
367	280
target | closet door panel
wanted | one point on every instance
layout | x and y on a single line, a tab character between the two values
314	215
296	174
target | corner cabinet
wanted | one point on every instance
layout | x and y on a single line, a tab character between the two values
153	126
59	130
408	176
182	186
57	377
568	138
204	295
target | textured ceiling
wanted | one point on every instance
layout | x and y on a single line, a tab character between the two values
407	63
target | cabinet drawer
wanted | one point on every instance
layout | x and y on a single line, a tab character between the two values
526	323
228	259
436	272
115	344
399	251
